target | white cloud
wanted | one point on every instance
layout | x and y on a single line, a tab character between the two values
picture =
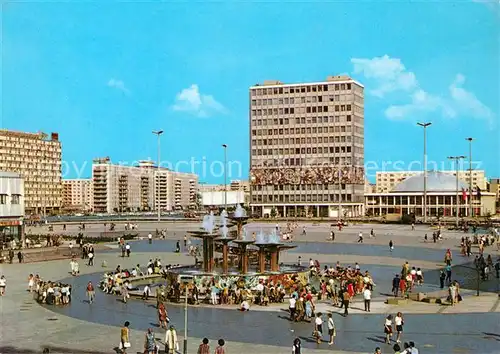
389	73
190	100
421	102
466	101
391	76
119	85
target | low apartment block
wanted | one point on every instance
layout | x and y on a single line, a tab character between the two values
144	187
78	194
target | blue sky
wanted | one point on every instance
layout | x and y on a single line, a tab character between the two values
105	75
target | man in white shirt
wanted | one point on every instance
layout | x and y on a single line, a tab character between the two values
150	238
146	293
291	307
127	249
331	329
367	296
260	287
318	322
412	348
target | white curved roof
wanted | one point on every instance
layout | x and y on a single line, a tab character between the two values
436	182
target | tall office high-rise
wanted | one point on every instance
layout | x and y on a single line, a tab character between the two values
307	148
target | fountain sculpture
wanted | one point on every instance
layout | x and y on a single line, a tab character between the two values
217	237
240	218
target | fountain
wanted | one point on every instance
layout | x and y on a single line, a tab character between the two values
240	218
224	238
265	248
207	235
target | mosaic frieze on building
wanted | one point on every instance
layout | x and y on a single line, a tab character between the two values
307	175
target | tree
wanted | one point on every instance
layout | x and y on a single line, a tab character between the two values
199	201
273	212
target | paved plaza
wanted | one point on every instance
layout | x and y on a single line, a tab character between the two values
470	327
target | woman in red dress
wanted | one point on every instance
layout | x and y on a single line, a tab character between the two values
162	316
350	289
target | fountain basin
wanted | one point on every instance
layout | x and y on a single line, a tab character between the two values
249	280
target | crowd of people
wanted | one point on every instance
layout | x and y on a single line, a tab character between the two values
170	342
48	292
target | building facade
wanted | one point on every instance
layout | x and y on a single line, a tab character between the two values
307	148
494	187
78	194
120	188
444	198
37	158
234	185
12	199
386	181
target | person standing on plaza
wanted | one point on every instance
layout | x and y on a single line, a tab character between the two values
346	298
297	346
31	283
150	342
220	348
399	322
452	294
171	342
448	257
162	316
442	277
318	327
395	285
388	329
185	241
125	337
124	291
448	274
391	245
91	256
367	296
204	348
90	292
3	285
331	329
146	293
127	249
150	237
292	307
177	247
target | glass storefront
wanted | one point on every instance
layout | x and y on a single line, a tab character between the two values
10	234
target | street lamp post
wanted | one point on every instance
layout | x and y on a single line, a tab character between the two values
186	279
470	176
340	195
158	133
425	125
457	159
225	176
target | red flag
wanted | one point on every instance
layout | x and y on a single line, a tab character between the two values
464	195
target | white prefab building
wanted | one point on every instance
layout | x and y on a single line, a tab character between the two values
11	206
217	198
